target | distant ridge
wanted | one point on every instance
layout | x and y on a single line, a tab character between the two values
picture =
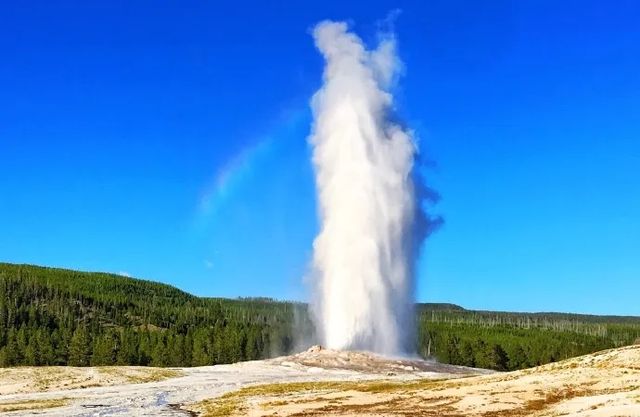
170	289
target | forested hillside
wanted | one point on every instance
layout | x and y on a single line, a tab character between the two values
510	341
54	316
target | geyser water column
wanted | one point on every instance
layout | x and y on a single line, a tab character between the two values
363	160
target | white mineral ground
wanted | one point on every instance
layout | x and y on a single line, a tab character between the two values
602	384
160	398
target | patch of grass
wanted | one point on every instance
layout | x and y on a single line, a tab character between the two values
233	403
140	376
223	406
270	404
30	405
395	406
374	387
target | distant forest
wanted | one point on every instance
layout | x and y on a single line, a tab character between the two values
52	316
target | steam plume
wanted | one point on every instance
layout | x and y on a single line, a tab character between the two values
364	254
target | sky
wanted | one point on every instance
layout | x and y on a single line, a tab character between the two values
168	141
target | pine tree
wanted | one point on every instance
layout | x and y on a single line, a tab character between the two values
45	347
128	352
31	355
11	356
80	348
61	349
466	354
200	356
518	358
22	343
159	352
103	351
4	361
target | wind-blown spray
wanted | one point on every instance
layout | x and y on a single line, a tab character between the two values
363	257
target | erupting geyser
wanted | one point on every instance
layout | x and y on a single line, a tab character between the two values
364	254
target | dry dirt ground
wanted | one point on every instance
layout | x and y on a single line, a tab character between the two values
323	382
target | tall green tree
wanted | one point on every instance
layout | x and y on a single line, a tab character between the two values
80	348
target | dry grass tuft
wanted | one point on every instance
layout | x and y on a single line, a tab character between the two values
31	405
227	405
142	375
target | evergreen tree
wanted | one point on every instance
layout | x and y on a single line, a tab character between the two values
45	347
200	356
4	361
105	350
159	352
466	354
61	349
498	358
128	352
518	358
80	348
12	355
31	354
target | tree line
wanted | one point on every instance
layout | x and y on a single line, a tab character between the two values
59	317
52	316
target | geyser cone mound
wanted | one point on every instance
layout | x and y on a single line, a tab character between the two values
318	357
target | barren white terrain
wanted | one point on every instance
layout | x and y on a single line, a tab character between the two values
325	382
59	391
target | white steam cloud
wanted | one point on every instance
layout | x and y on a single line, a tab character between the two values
364	254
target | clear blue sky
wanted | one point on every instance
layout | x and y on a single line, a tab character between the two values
167	140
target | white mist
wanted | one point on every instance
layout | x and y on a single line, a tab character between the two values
364	254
